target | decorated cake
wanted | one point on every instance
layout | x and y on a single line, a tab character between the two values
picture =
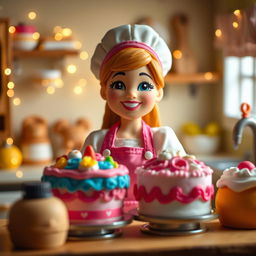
174	187
93	187
235	198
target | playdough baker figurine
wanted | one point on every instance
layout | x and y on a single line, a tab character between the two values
131	62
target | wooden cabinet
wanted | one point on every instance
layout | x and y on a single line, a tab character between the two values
5	63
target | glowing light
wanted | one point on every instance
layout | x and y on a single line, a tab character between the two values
12	29
57	29
177	54
237	12
36	36
7	71
218	33
19	174
78	90
84	55
66	32
82	82
58	82
10	85
78	45
71	68
50	90
16	101
235	24
58	36
10	93
32	15
208	75
9	141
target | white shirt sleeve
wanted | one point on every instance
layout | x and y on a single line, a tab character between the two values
95	139
165	139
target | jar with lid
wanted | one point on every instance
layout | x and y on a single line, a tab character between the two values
38	220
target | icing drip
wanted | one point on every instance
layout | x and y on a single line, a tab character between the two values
176	193
117	194
73	185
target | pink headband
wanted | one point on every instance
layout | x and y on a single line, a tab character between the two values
127	44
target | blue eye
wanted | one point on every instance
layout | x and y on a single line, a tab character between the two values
118	85
145	86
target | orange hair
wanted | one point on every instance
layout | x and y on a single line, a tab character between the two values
129	59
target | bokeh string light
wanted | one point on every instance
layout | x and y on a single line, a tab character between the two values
59	33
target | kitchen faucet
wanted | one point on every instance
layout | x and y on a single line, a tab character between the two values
246	120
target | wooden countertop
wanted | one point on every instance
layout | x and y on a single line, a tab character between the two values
215	241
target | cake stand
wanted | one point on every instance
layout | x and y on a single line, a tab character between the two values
173	226
99	231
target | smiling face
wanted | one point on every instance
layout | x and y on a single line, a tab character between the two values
131	94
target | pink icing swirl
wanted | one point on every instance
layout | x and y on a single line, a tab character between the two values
175	164
53	171
175	193
118	194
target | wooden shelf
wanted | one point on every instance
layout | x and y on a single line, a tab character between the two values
197	78
44	53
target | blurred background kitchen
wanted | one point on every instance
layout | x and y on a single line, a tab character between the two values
50	100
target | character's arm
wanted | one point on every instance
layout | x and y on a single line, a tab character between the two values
95	139
165	139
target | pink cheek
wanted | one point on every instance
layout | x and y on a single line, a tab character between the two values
149	99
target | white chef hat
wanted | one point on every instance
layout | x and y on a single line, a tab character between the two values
137	36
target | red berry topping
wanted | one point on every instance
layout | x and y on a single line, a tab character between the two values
246	164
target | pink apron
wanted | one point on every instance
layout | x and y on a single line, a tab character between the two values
132	157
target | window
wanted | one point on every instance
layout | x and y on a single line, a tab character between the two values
239	84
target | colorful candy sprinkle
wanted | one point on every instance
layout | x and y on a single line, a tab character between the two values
89	152
87	162
61	162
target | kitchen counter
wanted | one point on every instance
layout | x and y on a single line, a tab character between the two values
11	180
215	241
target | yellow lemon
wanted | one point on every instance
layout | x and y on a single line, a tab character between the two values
191	128
212	129
10	157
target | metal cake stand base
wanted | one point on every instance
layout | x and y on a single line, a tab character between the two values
173	226
99	231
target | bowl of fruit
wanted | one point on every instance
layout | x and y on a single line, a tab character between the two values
201	140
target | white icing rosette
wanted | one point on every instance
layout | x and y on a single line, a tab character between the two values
238	179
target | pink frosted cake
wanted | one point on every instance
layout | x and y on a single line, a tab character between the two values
174	187
93	187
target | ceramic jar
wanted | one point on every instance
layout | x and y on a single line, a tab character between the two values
38	220
25	37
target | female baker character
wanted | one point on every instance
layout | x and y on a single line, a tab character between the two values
131	62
